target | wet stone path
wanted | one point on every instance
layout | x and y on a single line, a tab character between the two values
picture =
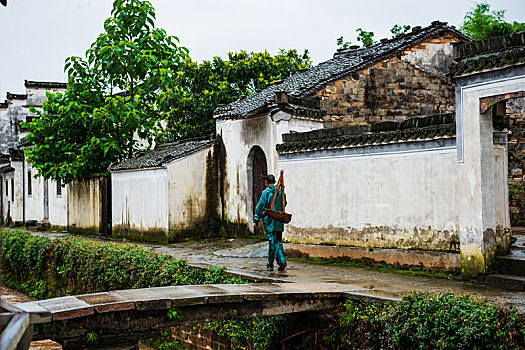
247	257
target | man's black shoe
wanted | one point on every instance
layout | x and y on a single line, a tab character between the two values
269	267
281	267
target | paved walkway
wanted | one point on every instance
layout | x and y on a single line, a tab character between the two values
247	256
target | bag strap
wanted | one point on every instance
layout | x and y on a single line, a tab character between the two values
283	202
279	183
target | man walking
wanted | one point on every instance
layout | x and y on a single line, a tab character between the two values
273	228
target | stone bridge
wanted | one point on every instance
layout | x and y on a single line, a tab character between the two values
123	317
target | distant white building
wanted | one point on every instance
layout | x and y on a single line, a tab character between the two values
29	199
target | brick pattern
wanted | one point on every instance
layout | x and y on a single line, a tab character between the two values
199	338
392	89
516	147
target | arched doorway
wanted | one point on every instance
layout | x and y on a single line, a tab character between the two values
257	166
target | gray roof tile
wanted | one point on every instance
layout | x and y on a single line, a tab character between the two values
162	154
309	81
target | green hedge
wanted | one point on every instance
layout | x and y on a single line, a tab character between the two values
428	320
43	268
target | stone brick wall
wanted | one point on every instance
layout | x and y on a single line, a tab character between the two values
516	148
396	88
199	338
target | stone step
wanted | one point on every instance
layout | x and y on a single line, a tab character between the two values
508	282
520	242
37	226
512	264
518	230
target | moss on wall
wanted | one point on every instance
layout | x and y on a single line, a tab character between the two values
93	230
135	234
424	238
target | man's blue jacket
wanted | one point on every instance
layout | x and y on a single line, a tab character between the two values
270	225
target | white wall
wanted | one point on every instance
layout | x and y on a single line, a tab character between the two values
389	199
35	201
8	204
58	205
189	192
140	199
17	213
239	137
85	203
477	168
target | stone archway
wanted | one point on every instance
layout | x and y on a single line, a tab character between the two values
256	166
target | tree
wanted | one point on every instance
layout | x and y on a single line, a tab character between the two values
367	38
398	30
480	23
342	44
207	85
114	97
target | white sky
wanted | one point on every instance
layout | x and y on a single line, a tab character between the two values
37	35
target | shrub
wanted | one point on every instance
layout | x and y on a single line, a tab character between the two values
424	320
43	268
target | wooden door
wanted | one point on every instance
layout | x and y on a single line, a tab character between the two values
259	168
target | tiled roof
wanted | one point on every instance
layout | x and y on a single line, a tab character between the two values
45	84
6	169
420	128
11	96
309	81
491	53
162	154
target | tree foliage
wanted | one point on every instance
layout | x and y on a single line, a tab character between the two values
207	85
116	95
398	30
134	79
480	23
367	38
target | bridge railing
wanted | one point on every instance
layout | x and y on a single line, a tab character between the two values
16	330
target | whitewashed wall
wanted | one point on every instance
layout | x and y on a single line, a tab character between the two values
85	203
17	208
188	191
9	206
239	137
395	199
478	162
140	199
58	205
35	200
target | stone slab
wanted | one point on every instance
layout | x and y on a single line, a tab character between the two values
145	299
250	292
215	294
508	282
107	302
180	295
325	290
64	308
370	296
37	314
284	290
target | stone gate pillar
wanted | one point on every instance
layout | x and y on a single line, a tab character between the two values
477	217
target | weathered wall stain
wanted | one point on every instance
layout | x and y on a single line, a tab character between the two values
374	237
